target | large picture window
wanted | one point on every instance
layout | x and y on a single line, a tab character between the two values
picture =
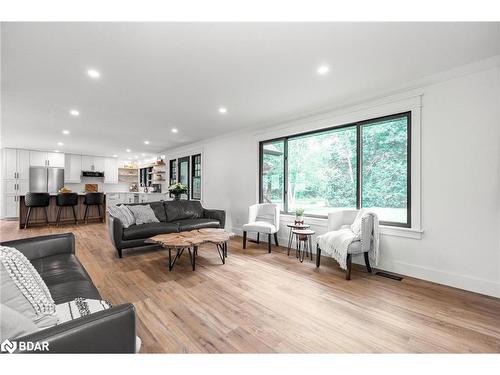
364	164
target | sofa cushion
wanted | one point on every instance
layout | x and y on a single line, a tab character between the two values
143	214
182	209
23	289
65	277
191	224
148	230
159	210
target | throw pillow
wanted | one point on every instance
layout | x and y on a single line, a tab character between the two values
13	324
80	307
123	214
23	290
143	214
356	225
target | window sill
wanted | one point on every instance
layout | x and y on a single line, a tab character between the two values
384	229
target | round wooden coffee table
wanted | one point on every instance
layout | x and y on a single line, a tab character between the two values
190	240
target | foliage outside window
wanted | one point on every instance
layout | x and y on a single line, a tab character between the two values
364	164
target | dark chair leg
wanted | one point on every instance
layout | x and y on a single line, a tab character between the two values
276	238
99	209
120	255
74	215
58	217
85	214
269	243
349	263
244	239
318	255
46	215
258	238
27	218
367	262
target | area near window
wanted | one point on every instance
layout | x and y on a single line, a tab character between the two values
187	171
363	164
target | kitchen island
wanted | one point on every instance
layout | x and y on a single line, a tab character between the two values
37	217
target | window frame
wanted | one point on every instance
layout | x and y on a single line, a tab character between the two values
359	156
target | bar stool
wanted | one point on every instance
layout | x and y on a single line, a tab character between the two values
66	200
35	200
93	199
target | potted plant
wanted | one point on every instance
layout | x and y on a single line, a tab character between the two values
299	215
177	190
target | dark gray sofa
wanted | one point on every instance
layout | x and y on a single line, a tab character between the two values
174	216
108	331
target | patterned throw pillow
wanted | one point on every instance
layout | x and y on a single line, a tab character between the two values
143	214
80	307
123	214
23	290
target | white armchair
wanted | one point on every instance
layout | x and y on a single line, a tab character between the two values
263	218
366	242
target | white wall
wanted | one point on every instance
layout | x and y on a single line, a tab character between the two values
459	180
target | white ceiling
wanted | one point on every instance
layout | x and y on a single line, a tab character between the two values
155	76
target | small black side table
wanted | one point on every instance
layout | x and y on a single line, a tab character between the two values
291	236
303	237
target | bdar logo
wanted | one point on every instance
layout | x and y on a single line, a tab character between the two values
8	346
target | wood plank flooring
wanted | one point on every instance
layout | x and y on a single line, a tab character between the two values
264	303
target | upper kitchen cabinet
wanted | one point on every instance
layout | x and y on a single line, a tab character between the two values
73	168
92	163
16	164
46	159
110	171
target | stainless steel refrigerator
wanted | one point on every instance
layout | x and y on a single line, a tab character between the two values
46	179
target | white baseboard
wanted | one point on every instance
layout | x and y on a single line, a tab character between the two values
469	283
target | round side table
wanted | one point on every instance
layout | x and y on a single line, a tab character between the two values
291	236
303	237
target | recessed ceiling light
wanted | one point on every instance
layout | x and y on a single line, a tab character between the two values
146	142
128	150
65	132
323	69
222	110
136	156
92	73
74	113
129	158
174	130
143	154
115	156
60	144
56	150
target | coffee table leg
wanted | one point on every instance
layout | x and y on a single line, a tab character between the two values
222	252
290	241
192	256
170	259
310	246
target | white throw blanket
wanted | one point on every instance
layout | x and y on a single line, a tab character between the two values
336	243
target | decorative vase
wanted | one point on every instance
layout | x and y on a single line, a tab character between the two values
177	197
299	219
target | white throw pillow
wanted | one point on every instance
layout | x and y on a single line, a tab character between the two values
123	214
143	214
356	225
13	324
23	290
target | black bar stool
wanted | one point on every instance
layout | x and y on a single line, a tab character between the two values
93	199
66	200
34	200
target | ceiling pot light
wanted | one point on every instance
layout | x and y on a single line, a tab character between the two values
74	113
146	142
115	156
323	69
128	150
143	154
174	130
222	110
60	144
65	132
136	156
92	73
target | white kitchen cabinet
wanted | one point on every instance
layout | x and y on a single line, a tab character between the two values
11	206
99	163
16	164
87	163
110	171
38	159
10	186
55	159
23	186
23	164
73	168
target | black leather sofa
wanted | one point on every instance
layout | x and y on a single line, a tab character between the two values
108	331
174	216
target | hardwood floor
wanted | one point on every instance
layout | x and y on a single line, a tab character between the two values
262	303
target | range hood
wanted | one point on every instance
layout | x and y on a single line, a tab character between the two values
92	174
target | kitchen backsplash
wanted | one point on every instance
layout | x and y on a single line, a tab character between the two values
107	188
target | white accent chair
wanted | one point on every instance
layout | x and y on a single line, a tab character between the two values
263	218
343	219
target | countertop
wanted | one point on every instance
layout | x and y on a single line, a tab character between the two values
109	192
